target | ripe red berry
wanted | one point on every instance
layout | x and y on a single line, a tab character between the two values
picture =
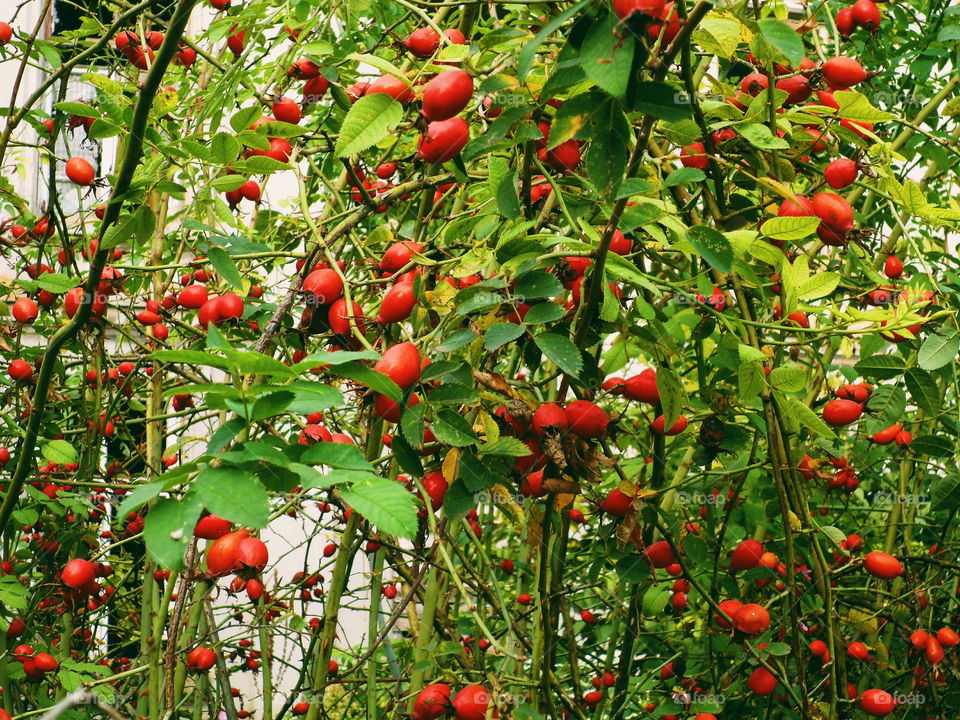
586	419
80	171
881	565
878	703
839	412
443	140
447	94
78	572
840	173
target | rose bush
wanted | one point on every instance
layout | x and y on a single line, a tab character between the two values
602	356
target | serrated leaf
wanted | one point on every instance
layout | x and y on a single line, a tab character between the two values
923	389
508	446
385	503
938	350
789	378
55	282
607	57
59	451
376	381
672	396
856	106
761	138
342	456
561	351
225	147
783	39
712	246
527	54
789	228
818	286
384	66
370	119
809	419
501	334
225	266
452	429
881	367
140	495
168	530
234	495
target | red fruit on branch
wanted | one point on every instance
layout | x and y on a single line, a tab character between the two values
625	8
211	527
878	703
401	363
78	572
201	659
842	172
586	419
881	565
397	303
80	171
471	703
751	619
447	94
443	140
840	412
432	702
843	72
324	286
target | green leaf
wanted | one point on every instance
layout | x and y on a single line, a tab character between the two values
818	286
224	265
655	599
140	495
888	402
749	380
384	66
168	529
370	119
712	246
234	495
855	106
946	493
262	165
789	228
334	357
561	351
501	334
933	445
545	312
509	446
789	378
376	381
672	396
243	119
937	350
923	389
342	456
761	138
718	35
881	367
503	183
59	451
537	284
684	175
783	39
453	429
385	503
809	419
55	282
526	56
78	108
225	147
662	101
607	57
